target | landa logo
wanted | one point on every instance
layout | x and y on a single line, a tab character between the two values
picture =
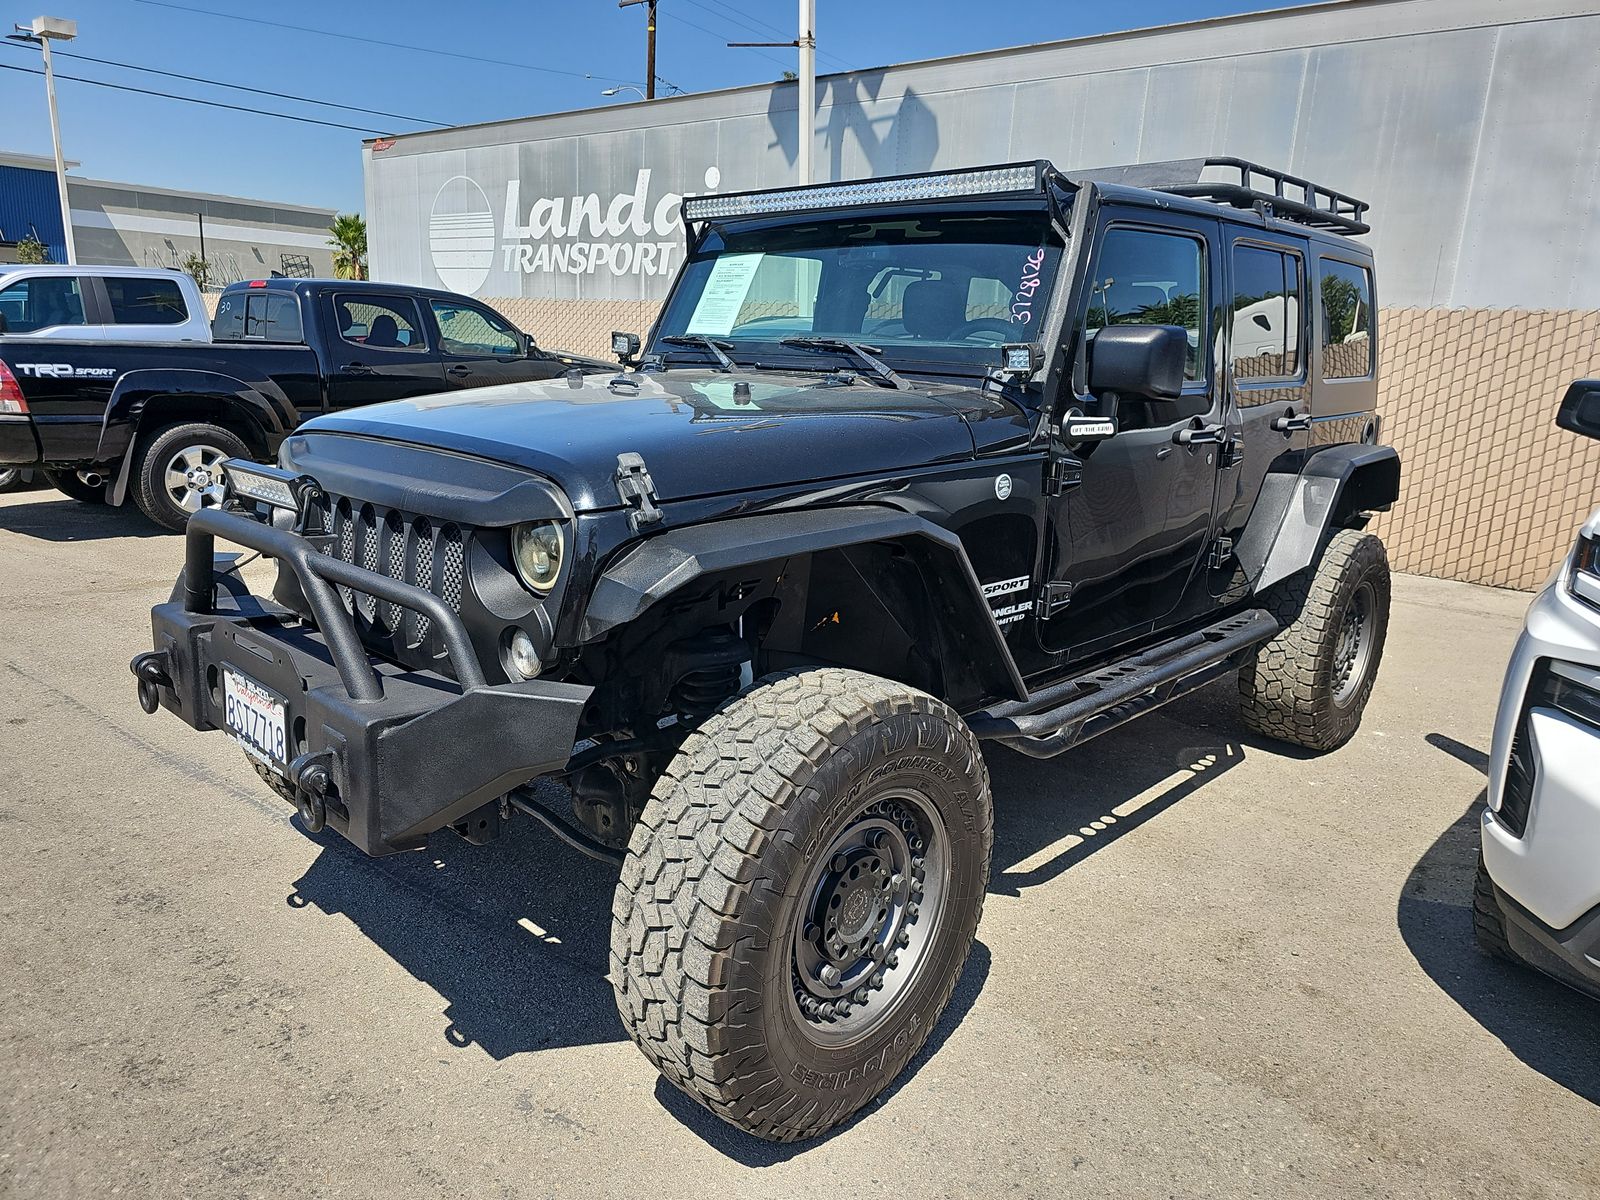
630	233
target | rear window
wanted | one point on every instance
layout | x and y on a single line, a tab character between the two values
379	322
258	317
146	301
41	302
1346	295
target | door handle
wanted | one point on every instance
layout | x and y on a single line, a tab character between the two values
1292	422
1198	434
357	369
458	369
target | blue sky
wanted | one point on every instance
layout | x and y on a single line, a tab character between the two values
541	49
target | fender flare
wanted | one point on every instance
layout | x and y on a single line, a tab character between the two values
660	566
1336	483
266	404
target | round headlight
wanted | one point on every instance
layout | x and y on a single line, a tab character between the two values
537	550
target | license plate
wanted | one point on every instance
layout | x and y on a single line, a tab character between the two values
255	718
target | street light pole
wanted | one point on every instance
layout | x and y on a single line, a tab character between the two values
44	30
806	40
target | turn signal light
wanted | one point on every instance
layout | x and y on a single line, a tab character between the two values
12	401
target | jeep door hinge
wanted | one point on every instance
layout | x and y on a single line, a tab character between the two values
1062	474
1221	553
637	490
1053	599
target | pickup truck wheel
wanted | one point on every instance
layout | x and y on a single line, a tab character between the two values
179	471
68	484
800	895
1309	685
10	479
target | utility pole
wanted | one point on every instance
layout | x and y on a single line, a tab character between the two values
650	45
806	104
41	31
806	40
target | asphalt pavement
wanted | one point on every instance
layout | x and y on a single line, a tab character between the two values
1208	965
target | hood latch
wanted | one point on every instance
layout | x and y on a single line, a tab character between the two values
637	490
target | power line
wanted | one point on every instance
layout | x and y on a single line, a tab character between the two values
353	37
260	112
757	26
239	87
680	19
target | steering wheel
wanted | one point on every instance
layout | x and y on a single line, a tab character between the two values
998	325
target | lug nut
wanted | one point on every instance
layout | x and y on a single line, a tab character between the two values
830	975
861	995
903	940
892	961
812	933
840	862
877	979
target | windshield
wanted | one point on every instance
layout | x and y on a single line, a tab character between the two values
939	289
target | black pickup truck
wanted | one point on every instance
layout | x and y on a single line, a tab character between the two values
154	421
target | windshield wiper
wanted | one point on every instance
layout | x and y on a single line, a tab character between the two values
724	363
865	355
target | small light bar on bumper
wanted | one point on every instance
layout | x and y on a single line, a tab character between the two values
976	181
1584	581
265	485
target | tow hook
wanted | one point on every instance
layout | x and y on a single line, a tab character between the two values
313	784
150	669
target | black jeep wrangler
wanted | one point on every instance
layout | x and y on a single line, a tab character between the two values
1008	453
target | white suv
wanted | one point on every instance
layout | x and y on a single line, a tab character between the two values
102	304
1538	893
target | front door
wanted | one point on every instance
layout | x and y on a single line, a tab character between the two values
1130	537
479	348
377	350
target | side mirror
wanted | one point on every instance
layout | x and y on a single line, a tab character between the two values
529	348
1580	411
625	346
1139	360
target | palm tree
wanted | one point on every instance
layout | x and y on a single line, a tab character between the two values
349	242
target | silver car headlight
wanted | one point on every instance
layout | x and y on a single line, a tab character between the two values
1584	581
537	549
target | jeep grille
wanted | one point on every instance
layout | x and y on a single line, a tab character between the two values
403	546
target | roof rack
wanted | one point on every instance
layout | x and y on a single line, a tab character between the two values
1283	195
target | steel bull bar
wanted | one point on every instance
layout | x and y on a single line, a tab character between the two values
383	754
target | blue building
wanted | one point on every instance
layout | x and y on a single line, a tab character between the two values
29	205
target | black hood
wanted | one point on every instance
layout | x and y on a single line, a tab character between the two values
699	431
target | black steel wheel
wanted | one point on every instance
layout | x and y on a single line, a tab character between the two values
800	896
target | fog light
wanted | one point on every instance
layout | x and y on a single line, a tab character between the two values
523	656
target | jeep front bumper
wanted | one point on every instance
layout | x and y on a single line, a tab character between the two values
383	754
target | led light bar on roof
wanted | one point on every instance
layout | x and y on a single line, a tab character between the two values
982	181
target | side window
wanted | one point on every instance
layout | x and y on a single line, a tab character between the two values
1148	278
464	329
1268	307
146	301
42	302
1346	295
228	323
379	322
272	317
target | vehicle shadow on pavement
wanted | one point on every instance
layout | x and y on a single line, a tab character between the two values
515	935
1550	1027
52	517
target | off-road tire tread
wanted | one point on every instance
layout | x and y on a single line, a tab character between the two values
1281	694
1488	922
705	843
147	493
276	782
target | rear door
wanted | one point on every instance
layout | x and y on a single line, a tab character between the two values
480	348
1129	538
143	308
1268	373
377	349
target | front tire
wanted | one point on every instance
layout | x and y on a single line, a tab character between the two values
800	895
1310	684
179	471
10	479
